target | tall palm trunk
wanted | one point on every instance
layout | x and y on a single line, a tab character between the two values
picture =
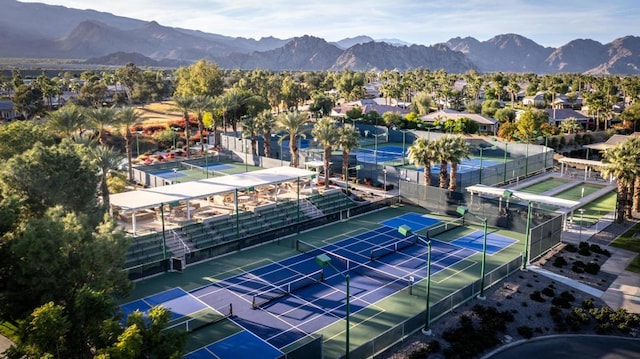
622	201
128	144
453	177
345	165
293	148
327	169
187	133
267	143
443	174
636	195
427	174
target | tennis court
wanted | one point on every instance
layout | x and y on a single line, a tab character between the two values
284	301
380	155
468	165
184	172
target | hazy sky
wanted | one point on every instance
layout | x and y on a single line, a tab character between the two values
547	22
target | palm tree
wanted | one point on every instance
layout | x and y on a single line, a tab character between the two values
347	142
265	122
325	133
292	123
185	104
202	104
100	118
442	150
106	159
458	149
422	153
67	120
249	130
617	162
128	117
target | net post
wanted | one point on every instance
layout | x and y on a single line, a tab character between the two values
230	309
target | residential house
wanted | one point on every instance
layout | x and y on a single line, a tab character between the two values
564	101
367	106
486	124
558	115
7	111
536	100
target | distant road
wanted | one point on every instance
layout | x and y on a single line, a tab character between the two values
574	346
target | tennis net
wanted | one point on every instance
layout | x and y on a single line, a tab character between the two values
189	166
279	291
445	227
394	247
200	319
391	275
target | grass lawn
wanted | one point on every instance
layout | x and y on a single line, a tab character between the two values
626	241
8	330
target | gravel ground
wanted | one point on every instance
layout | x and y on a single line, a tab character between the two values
512	294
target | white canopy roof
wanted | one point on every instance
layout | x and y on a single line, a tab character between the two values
156	196
580	161
499	192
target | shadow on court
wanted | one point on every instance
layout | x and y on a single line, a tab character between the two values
572	346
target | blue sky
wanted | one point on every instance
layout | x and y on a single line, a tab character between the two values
547	22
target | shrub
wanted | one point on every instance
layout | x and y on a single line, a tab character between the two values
592	268
584	252
577	269
559	262
422	352
548	292
571	248
579	264
525	332
587	304
537	297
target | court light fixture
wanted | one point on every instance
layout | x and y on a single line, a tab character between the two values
406	231
462	210
324	260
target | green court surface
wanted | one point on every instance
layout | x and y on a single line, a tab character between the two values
366	323
194	173
595	210
579	191
544	186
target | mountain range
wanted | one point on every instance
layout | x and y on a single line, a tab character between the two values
104	39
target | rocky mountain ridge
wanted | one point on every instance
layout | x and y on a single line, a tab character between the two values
88	34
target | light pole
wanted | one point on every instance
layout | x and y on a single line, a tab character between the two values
405	231
429	131
462	210
581	215
527	235
404	141
324	260
175	174
384	170
481	153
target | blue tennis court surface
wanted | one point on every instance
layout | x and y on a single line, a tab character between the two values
168	174
283	302
243	345
464	166
474	241
177	301
416	221
382	154
217	167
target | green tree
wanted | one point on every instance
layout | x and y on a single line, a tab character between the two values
265	122
201	105
422	153
422	103
67	121
201	78
47	176
458	149
19	136
92	93
126	118
348	142
322	105
504	115
293	123
107	160
631	114
392	119
28	101
129	77
325	133
100	119
490	107
571	125
530	123
185	104
617	162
